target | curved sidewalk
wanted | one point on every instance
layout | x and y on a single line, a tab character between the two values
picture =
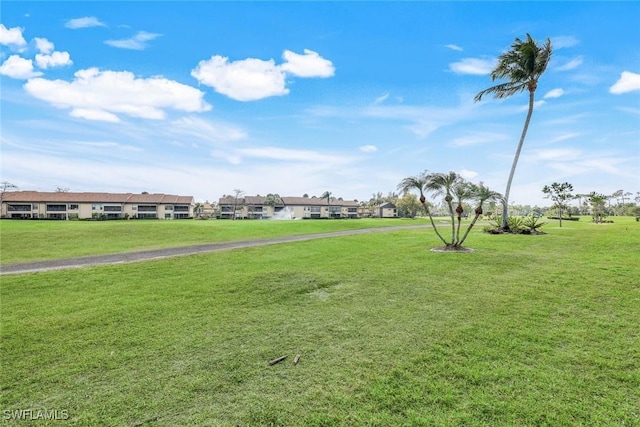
127	257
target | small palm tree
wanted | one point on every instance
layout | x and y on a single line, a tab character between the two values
522	66
419	183
445	184
481	194
452	187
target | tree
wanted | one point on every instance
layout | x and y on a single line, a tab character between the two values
522	66
62	190
444	184
408	205
598	206
419	182
6	186
481	193
560	194
452	187
327	195
197	209
237	193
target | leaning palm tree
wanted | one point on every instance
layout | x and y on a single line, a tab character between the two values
419	183
522	66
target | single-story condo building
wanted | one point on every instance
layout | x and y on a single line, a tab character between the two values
67	205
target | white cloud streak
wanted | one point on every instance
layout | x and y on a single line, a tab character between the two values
570	64
454	47
475	66
554	93
84	22
137	42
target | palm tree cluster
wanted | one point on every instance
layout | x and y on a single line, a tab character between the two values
455	191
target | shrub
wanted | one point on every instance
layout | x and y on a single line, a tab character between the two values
533	223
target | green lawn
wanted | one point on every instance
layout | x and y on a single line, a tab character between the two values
22	240
525	331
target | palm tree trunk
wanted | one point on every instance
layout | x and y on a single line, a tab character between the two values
453	222
475	218
455	243
433	224
505	213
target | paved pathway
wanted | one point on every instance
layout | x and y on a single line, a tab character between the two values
126	257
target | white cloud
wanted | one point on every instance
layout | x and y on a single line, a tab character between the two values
478	138
628	82
368	148
98	115
308	65
560	42
12	36
245	80
454	47
137	42
43	45
285	154
17	67
56	59
84	22
554	93
476	66
381	98
557	154
467	174
205	130
252	79
564	137
102	95
570	64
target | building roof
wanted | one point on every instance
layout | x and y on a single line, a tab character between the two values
287	201
68	197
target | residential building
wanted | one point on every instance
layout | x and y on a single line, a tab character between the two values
67	205
256	207
386	210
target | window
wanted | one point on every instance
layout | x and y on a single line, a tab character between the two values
73	207
113	208
168	208
18	208
181	208
96	207
147	208
57	208
34	207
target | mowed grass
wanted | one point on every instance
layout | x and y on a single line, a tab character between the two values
23	241
526	330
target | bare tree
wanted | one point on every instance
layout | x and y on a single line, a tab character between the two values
6	186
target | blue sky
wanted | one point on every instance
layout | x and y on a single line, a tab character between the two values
200	98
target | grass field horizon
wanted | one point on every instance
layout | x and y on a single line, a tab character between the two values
526	330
